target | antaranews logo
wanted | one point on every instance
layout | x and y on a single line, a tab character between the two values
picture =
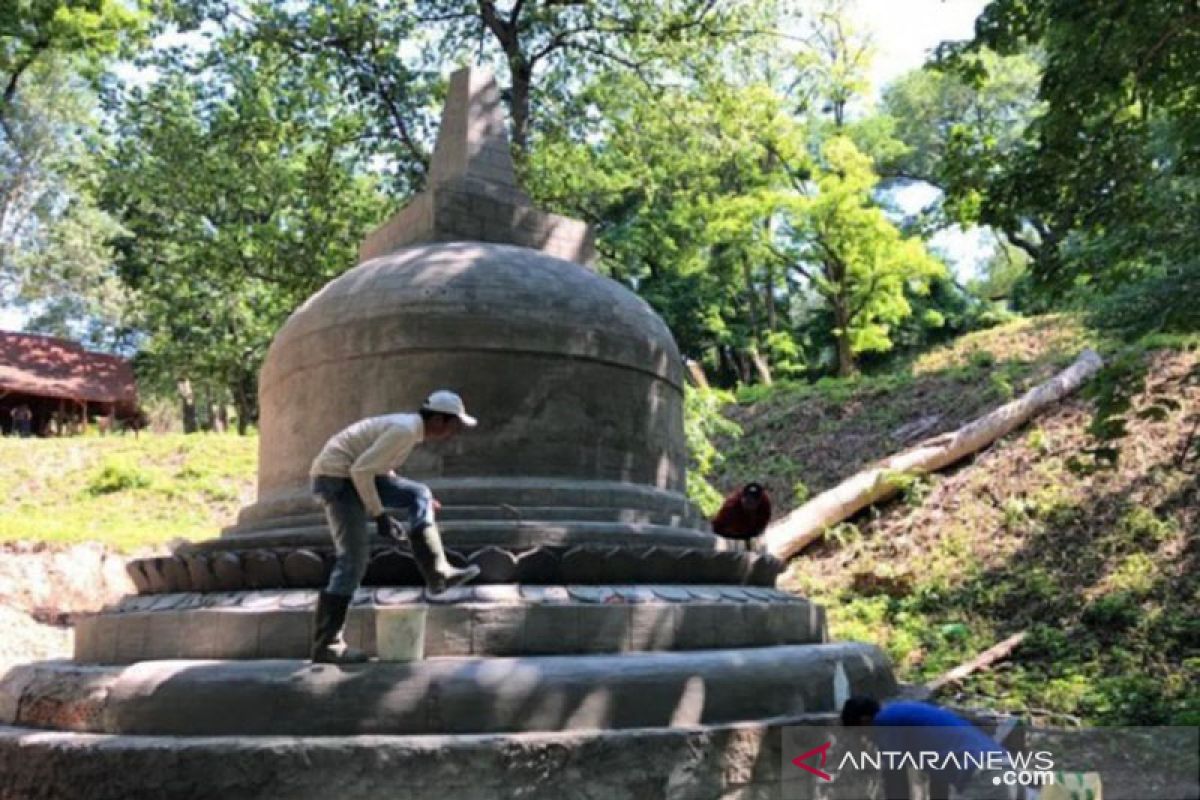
854	759
1131	763
821	750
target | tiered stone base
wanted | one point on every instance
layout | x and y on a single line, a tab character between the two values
218	567
741	761
525	691
496	620
441	695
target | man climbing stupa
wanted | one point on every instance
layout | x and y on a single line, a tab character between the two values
353	480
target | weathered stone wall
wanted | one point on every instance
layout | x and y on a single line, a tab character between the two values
571	375
731	762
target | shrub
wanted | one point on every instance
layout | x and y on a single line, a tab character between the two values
117	475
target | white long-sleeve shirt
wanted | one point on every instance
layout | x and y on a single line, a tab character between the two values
370	447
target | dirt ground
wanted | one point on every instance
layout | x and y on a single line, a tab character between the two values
43	588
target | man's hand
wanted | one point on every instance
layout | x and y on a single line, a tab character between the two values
388	528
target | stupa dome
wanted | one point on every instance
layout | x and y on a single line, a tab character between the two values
576	381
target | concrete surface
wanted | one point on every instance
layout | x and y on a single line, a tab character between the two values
443	695
493	620
710	762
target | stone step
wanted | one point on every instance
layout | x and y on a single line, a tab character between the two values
203	569
505	532
738	760
443	695
520	492
496	512
494	620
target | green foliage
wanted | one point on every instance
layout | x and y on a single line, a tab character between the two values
240	183
960	134
128	493
1114	390
704	422
853	257
1108	176
117	475
1139	527
1156	303
1111	612
53	238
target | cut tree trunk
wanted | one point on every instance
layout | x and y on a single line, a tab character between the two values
792	533
987	658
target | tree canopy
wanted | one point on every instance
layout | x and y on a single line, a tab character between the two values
732	157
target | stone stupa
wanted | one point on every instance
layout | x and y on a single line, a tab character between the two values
612	646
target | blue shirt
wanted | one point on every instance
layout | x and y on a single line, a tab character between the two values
947	734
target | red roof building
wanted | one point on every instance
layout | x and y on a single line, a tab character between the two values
54	376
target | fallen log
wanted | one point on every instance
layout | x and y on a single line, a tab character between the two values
802	526
982	661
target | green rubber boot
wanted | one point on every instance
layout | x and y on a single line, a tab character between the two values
328	646
439	574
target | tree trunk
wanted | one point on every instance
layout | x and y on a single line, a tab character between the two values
788	536
522	80
769	300
204	407
744	368
187	399
845	356
752	300
761	368
243	403
220	413
695	372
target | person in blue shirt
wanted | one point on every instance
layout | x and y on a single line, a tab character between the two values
958	747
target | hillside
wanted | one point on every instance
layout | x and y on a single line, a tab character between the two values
122	491
1099	565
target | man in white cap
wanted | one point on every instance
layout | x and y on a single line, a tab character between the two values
352	478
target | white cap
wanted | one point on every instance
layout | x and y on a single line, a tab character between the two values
444	401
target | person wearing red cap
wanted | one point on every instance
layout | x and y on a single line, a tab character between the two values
353	480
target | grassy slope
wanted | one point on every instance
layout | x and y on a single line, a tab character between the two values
126	492
1100	567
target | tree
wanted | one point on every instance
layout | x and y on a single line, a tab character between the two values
832	69
850	254
543	50
1114	158
963	137
52	236
671	179
241	182
88	31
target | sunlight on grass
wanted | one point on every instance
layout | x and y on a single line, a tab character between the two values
1054	337
128	493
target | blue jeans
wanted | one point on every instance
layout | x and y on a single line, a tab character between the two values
407	500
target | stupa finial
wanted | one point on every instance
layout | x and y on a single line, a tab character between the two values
473	140
472	194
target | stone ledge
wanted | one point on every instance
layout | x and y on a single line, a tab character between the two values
240	568
501	620
739	761
444	695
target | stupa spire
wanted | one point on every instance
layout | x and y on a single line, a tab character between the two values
473	140
471	193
